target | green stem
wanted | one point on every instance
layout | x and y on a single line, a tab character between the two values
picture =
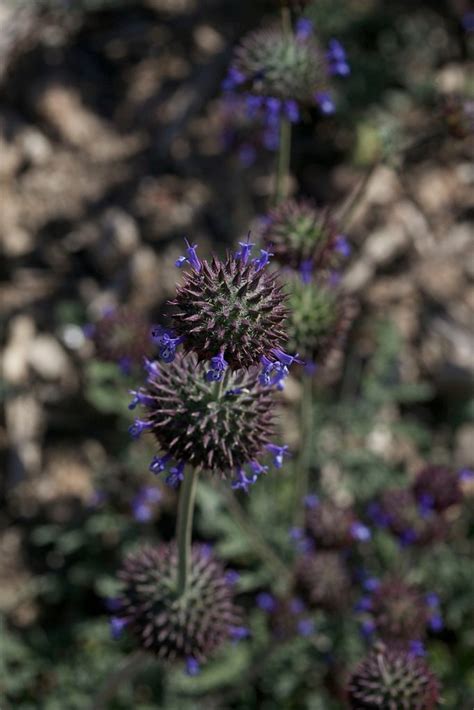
283	160
184	526
303	463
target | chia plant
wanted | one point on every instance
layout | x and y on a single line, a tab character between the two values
392	679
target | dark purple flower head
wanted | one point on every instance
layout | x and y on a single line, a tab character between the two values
232	310
300	235
392	678
274	68
331	526
399	511
222	429
323	580
399	611
190	627
437	488
122	335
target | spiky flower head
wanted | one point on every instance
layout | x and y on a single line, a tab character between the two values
399	512
320	321
233	308
121	335
333	527
280	71
323	580
303	237
177	627
437	488
392	679
215	426
288	616
399	611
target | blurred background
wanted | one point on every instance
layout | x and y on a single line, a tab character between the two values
115	143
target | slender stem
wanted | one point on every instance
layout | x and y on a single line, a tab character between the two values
283	160
303	462
285	18
184	527
120	675
260	545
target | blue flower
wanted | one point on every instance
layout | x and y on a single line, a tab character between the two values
158	464
360	532
311	501
217	369
175	476
342	246
432	600
263	259
140	398
337	59
466	475
257	467
237	633
192	666
416	648
292	111
306	270
286	359
138	427
325	102
371	584
305	627
273	373
278	453
364	604
245	250
297	606
304	28
253	105
367	628
117	626
232	577
266	602
233	79
436	623
151	367
242	482
191	258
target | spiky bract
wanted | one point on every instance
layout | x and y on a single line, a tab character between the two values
399	611
437	488
392	679
330	526
301	235
208	426
323	580
194	624
281	65
320	321
122	335
234	307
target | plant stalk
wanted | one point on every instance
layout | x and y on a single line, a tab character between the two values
283	160
304	458
184	527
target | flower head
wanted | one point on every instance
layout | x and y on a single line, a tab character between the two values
320	321
234	307
216	429
399	611
392	678
331	526
300	234
190	627
323	580
437	488
280	67
399	511
122	335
